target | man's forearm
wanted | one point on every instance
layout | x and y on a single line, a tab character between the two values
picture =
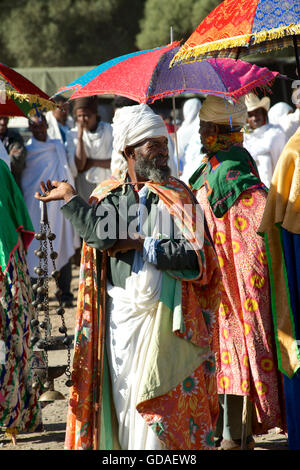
90	163
85	222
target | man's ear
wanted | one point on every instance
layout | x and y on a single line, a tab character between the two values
129	152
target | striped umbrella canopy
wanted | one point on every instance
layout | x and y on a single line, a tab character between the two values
145	76
237	28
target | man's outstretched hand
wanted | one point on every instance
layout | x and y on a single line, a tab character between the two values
55	191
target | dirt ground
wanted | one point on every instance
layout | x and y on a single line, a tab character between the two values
54	414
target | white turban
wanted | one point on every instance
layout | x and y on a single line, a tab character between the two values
220	111
133	124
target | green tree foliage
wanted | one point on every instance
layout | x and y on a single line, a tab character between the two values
182	15
69	32
6	7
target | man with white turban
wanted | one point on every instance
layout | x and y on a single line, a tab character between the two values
118	161
162	292
228	188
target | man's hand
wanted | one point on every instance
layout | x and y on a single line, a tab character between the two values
122	246
80	130
15	151
55	191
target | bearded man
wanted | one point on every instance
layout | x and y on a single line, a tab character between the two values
162	292
229	189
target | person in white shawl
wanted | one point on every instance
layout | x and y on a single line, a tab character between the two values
263	140
189	127
46	159
290	122
59	120
89	147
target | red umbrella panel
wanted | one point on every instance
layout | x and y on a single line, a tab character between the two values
19	96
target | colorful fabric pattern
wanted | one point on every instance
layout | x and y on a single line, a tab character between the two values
245	353
236	28
225	175
180	419
198	299
19	406
15	220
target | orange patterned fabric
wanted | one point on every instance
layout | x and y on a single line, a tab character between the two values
185	417
227	20
81	415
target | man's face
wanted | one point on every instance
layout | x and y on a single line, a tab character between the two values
61	113
3	124
38	127
86	118
152	160
256	118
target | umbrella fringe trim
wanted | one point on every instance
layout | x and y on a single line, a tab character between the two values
261	83
32	99
189	54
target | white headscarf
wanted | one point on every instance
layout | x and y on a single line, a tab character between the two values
277	111
131	125
190	111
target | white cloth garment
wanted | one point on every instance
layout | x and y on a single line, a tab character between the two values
47	160
290	123
276	112
131	321
54	126
4	155
192	157
265	145
189	126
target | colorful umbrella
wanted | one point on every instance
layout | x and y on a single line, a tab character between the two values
236	28
19	96
145	76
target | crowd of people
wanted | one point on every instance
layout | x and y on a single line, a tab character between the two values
189	279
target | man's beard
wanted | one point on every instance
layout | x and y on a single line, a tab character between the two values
148	170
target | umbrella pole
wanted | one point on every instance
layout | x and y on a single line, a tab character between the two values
175	134
297	55
174	114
